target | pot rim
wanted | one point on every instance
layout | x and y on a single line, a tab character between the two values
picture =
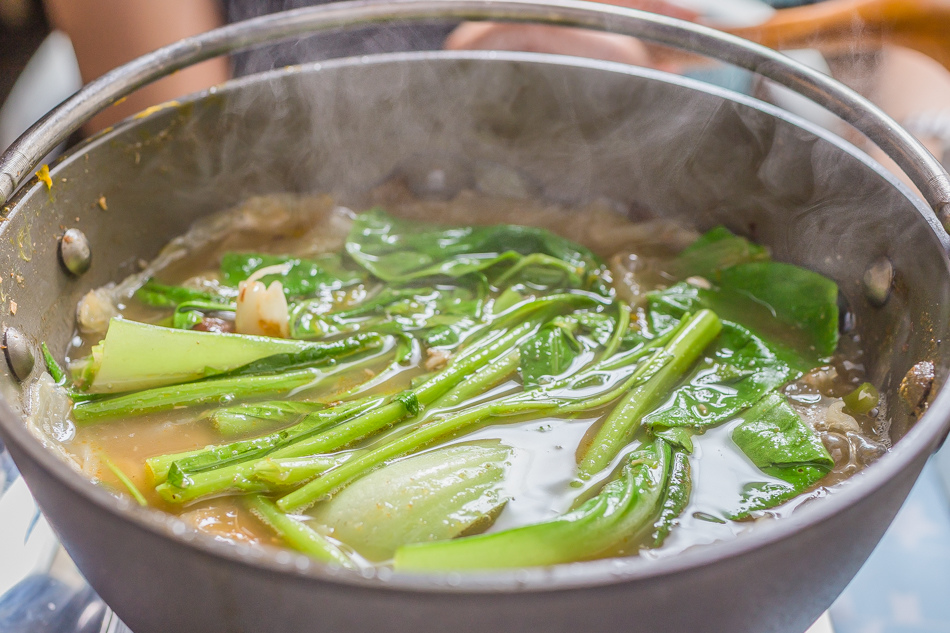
926	436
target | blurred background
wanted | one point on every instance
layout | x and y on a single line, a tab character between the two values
895	52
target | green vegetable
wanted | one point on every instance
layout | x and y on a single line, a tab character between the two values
678	488
180	467
193	394
159	295
716	249
245	418
739	370
862	400
301	278
298	535
433	496
662	371
314	354
402	250
304	440
586	390
188	314
292	471
778	442
124	479
797	297
548	354
54	368
223	389
623	508
136	356
788	306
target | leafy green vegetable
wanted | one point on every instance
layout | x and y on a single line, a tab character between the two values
586	390
774	322
186	465
343	428
314	354
429	497
137	355
292	471
623	508
548	354
739	370
778	442
445	312
159	295
678	488
402	250
797	297
664	369
716	249
192	394
302	277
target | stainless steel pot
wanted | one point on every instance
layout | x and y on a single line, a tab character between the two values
578	129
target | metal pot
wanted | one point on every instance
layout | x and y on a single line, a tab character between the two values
578	129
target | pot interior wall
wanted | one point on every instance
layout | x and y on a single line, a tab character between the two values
652	143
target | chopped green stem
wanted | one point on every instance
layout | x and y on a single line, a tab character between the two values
325	485
298	535
295	470
472	359
678	489
488	377
54	368
194	394
234	478
213	456
670	363
623	322
244	418
124	479
564	396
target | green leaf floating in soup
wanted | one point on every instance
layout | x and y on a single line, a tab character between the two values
452	396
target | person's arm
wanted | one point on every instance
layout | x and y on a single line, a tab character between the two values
109	33
565	41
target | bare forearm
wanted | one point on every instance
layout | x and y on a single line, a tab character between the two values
108	33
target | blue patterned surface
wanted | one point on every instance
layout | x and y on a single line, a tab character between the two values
905	585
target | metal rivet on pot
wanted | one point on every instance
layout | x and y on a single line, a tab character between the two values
877	281
18	352
74	251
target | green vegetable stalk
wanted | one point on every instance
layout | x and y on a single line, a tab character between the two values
665	368
588	389
298	535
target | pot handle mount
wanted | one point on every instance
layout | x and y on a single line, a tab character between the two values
23	157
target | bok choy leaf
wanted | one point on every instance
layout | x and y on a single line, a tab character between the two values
623	508
429	497
779	443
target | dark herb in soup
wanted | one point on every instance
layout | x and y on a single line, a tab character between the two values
382	389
